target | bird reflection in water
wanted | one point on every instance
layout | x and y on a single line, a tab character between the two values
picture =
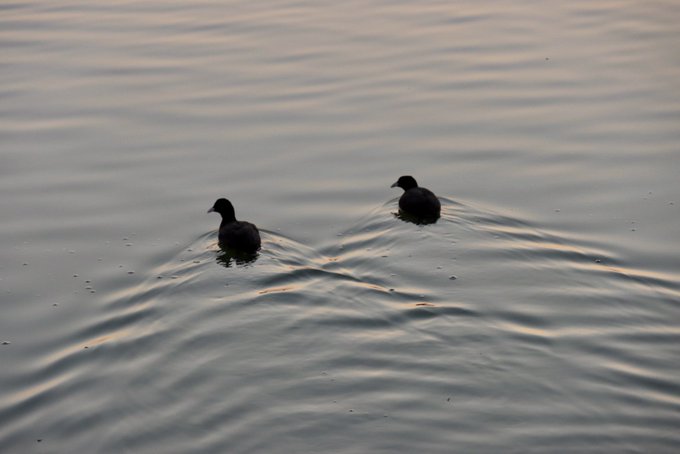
228	257
407	217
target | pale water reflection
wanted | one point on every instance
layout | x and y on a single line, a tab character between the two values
539	313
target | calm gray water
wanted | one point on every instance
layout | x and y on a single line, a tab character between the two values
540	314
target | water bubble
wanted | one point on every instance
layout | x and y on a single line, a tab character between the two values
130	272
75	275
453	278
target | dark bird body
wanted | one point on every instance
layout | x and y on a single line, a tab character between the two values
416	201
238	235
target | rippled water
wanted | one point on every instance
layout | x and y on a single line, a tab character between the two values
540	313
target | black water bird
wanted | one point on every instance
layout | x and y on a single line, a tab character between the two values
418	202
237	235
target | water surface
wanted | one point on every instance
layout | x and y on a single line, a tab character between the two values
539	314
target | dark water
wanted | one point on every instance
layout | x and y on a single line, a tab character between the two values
539	314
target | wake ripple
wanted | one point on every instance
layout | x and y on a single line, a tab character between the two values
394	334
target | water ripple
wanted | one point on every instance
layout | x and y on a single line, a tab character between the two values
369	330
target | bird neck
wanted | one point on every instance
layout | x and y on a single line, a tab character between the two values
228	217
